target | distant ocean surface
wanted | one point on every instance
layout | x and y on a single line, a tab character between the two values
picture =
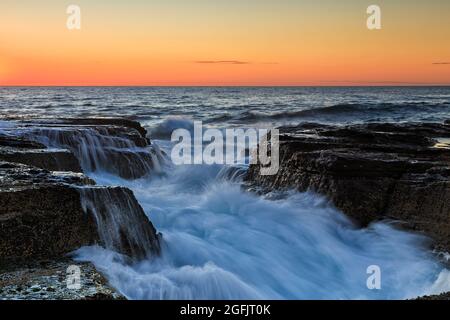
232	106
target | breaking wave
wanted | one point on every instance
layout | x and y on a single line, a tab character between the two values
341	110
164	129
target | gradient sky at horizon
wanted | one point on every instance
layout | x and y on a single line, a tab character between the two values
233	42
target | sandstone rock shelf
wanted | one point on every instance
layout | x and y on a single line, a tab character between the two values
113	145
370	172
49	208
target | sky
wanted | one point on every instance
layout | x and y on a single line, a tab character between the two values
232	42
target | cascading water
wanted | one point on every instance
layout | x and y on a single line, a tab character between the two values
121	223
98	150
221	242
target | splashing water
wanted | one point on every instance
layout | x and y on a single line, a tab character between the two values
97	150
221	242
119	218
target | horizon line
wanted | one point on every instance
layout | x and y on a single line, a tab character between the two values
233	86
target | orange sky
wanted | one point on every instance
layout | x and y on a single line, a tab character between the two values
211	42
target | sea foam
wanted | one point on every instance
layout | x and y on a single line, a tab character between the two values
221	242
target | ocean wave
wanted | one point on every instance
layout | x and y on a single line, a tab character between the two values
221	118
7	124
343	110
164	129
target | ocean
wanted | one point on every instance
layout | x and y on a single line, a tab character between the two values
222	242
232	106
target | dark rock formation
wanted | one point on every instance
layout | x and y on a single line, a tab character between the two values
41	214
118	122
20	150
48	208
44	215
125	128
49	159
114	146
441	297
371	172
19	142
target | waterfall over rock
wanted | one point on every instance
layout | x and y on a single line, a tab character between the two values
122	224
43	190
118	152
98	151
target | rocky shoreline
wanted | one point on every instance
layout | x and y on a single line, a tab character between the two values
371	172
49	208
47	280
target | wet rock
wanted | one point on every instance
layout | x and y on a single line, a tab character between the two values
99	144
441	297
118	122
128	129
48	281
15	176
49	209
371	172
19	142
129	164
42	215
49	159
20	150
121	222
102	151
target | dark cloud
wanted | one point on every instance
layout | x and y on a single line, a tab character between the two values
441	63
222	62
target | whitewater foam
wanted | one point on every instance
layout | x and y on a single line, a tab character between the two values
164	129
220	242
